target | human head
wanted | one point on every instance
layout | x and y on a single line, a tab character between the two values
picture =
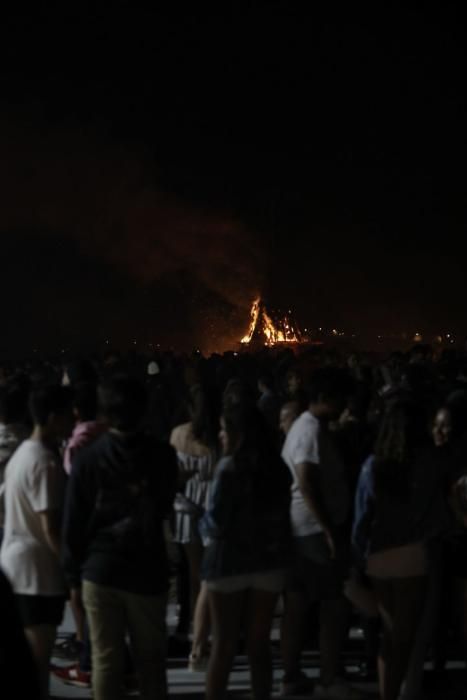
242	426
293	381
204	414
450	422
85	401
50	409
288	413
122	402
328	391
403	429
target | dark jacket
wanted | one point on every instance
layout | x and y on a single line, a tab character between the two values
121	489
247	525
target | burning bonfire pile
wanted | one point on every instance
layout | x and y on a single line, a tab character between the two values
263	329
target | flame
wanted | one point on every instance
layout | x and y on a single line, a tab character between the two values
284	333
254	313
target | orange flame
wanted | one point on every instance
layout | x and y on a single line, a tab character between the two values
285	333
254	313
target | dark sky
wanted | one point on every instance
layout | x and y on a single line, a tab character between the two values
157	172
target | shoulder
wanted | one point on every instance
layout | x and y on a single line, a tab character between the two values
306	426
184	441
179	435
225	466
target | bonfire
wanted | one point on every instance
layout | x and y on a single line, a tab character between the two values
270	333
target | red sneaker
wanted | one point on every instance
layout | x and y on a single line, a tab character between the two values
72	675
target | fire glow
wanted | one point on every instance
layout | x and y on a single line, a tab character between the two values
262	324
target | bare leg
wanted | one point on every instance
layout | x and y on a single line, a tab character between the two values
260	611
194	553
226	615
401	602
41	639
292	630
201	624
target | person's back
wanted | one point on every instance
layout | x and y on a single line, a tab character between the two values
126	490
122	487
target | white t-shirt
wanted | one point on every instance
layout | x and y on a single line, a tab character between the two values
308	442
34	482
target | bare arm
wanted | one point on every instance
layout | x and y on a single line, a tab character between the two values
50	523
309	484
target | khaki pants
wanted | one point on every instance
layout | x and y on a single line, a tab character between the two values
111	614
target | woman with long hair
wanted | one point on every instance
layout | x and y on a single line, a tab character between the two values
247	531
196	445
397	503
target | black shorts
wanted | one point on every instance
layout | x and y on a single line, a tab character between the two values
40	609
314	573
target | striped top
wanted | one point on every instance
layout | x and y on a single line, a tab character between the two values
199	460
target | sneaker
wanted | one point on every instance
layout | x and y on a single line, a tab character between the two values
72	675
197	664
67	648
339	690
131	685
300	685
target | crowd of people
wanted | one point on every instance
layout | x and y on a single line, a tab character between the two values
259	482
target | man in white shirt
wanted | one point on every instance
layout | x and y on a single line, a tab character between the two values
320	509
34	494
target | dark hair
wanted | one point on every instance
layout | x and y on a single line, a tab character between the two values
330	382
204	415
122	401
247	430
403	432
47	400
85	400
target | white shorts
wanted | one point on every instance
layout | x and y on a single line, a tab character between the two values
269	581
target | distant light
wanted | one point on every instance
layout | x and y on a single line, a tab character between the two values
334	332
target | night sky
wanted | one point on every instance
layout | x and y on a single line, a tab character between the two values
158	172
